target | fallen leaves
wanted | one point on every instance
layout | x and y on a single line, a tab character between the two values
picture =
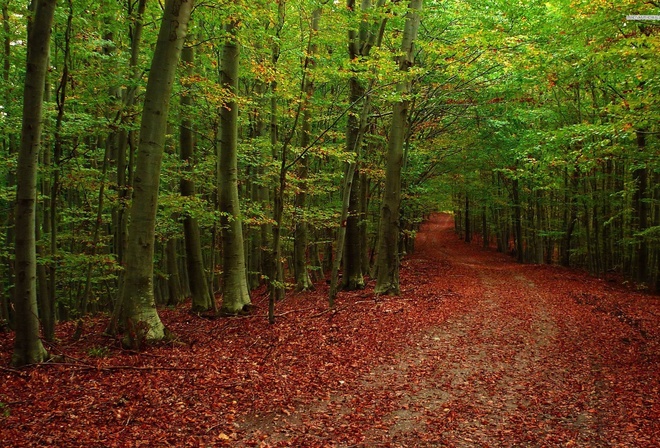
478	350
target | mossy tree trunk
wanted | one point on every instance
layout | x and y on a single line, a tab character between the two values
301	231
387	281
135	310
360	43
236	296
28	348
125	138
640	218
199	285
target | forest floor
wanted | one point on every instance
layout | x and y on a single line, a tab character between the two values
477	351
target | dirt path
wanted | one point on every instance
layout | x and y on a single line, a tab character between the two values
478	351
521	360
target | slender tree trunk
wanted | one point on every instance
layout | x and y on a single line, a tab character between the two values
258	265
468	230
276	269
84	301
360	43
570	217
353	276
28	348
655	285
301	231
174	285
136	305
362	223
517	221
48	303
387	281
6	268
236	297
127	139
43	229
198	283
334	276
484	228
640	177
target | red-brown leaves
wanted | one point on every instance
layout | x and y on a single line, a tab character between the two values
477	351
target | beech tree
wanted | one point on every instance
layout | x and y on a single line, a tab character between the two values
350	242
135	310
236	297
543	142
389	233
301	231
199	286
28	348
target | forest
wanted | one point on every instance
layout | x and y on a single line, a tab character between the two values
203	156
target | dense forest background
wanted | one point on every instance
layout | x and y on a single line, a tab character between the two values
289	141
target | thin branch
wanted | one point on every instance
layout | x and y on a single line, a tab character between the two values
110	368
332	125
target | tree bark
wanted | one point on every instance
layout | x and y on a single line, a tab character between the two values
6	268
640	220
275	271
136	306
517	220
301	231
387	281
126	139
28	348
360	43
199	287
236	297
174	285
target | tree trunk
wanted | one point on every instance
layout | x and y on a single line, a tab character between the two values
388	247
570	216
640	178
236	297
84	300
353	276
28	348
301	231
468	225
517	220
360	43
364	235
197	281
348	184
174	285
484	229
135	306
126	139
6	264
275	271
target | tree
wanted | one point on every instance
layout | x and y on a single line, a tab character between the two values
28	348
199	287
360	43
301	231
236	297
135	309
388	239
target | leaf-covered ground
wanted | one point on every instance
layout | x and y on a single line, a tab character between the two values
477	351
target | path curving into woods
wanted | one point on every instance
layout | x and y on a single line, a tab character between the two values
526	356
477	351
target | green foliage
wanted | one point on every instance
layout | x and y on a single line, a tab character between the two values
4	409
544	98
98	352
